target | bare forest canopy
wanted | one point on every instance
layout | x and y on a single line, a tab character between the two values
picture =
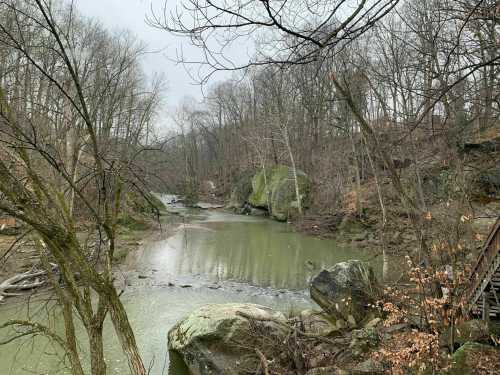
413	80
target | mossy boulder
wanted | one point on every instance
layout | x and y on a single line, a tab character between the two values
217	339
347	291
274	189
475	330
471	356
438	183
241	191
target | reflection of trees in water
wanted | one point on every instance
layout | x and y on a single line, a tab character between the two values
258	253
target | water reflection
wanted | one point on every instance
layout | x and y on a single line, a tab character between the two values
259	252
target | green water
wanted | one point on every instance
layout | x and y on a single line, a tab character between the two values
257	251
222	257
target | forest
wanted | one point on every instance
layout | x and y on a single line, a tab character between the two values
329	205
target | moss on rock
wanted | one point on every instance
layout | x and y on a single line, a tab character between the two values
274	189
217	339
472	356
241	191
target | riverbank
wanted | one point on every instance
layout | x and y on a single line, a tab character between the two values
18	254
356	331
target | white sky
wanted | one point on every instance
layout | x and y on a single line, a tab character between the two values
130	15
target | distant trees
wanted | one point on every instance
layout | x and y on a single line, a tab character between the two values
370	92
362	76
75	116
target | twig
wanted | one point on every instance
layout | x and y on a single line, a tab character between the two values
263	361
318	336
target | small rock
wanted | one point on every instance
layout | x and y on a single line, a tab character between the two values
143	277
472	330
360	237
373	323
467	357
362	244
396	328
215	286
362	340
186	286
170	284
258	212
340	324
351	321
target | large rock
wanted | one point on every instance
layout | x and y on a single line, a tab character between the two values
467	358
216	339
472	330
241	191
274	189
317	322
347	291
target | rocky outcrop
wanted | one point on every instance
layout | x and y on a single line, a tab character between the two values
274	189
218	339
347	291
241	191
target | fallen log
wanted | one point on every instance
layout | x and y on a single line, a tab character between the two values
18	283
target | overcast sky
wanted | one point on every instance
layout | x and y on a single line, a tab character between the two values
131	14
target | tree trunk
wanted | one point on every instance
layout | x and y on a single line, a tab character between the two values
385	260
294	168
125	333
97	363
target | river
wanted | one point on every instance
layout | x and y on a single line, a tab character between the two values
213	257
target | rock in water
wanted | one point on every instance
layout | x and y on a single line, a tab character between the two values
216	339
346	290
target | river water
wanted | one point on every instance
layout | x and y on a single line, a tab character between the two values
213	257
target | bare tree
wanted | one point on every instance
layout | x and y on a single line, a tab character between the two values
69	139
